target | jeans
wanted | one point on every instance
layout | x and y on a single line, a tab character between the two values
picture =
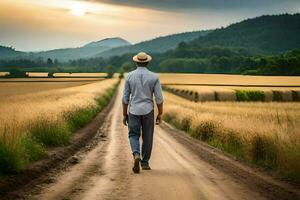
136	125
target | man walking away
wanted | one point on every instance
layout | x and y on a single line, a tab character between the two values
140	86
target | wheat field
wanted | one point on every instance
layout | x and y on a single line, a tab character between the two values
80	75
36	116
20	107
263	133
46	79
229	93
9	89
222	79
4	74
69	75
37	74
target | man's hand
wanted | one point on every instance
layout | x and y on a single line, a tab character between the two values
125	114
158	119
125	120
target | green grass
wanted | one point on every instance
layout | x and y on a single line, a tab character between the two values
50	132
78	118
249	95
16	154
12	157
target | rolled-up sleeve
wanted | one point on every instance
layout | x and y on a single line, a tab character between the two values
158	92
126	93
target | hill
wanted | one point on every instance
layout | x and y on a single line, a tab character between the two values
261	45
86	51
265	34
108	42
9	52
157	45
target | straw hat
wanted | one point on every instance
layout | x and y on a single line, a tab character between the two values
142	57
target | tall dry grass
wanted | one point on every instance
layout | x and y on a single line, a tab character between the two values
226	79
266	134
2	74
223	93
80	75
25	108
32	121
37	74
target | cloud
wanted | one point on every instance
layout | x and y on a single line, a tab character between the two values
198	4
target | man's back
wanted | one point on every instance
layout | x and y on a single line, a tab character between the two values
142	84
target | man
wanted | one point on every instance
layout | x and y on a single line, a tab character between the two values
140	86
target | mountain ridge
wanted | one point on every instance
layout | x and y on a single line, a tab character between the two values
111	42
267	34
156	45
65	54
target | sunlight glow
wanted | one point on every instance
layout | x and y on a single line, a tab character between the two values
77	9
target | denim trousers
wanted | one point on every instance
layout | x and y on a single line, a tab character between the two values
141	125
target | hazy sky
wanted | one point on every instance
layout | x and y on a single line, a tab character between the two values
34	25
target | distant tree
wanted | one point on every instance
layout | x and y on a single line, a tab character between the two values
110	71
56	62
16	73
127	67
49	62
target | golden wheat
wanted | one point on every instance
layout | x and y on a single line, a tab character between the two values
11	88
168	78
275	119
80	74
37	74
266	133
4	74
46	79
228	93
20	110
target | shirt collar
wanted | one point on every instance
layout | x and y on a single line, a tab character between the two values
141	68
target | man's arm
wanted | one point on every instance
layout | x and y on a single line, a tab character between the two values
160	112
125	114
159	101
125	102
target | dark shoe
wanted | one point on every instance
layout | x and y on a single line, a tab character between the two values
146	167
136	164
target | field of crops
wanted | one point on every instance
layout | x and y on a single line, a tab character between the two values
38	115
9	89
229	80
65	75
44	79
2	74
266	134
242	115
80	75
231	93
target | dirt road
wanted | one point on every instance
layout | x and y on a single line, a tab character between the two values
182	168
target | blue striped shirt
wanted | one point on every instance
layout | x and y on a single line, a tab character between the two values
140	86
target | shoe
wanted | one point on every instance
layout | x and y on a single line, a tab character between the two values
136	164
146	167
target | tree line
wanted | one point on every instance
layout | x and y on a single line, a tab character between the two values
200	60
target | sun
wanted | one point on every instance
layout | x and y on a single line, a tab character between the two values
77	9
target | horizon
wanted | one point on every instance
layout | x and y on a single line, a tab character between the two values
36	27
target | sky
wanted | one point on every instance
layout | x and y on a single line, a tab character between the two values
35	25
